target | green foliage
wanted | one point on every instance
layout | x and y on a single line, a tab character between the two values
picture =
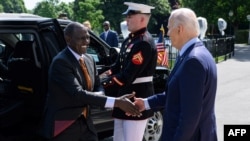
214	9
65	8
46	9
1	8
113	9
96	11
12	6
89	10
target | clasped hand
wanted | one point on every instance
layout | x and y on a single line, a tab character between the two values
131	109
127	106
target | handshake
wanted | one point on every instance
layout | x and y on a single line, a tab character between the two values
131	108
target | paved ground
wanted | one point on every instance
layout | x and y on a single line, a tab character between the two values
233	94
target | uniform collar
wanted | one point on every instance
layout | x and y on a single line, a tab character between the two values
138	32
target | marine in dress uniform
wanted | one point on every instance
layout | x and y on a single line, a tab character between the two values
135	66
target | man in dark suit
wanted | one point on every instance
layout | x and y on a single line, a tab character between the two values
190	93
133	71
67	114
109	36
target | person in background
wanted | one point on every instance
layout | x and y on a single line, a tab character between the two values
87	24
72	88
133	71
109	36
189	98
63	16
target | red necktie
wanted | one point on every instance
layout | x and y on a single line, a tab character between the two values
88	82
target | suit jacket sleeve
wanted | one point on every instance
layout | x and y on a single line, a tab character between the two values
157	101
65	82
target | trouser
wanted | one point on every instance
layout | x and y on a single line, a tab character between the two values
129	130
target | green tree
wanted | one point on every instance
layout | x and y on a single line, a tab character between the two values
1	8
214	9
89	10
113	9
46	8
65	8
112	12
53	8
160	15
13	6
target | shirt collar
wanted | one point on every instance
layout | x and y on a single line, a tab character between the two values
188	44
77	56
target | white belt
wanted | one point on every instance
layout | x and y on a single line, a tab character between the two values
143	79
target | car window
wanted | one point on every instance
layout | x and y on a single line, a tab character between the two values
8	43
25	36
2	49
5	52
94	54
97	50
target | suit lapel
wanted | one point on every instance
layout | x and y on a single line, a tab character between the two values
180	59
185	54
75	63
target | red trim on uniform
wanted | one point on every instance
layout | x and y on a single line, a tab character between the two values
137	59
117	81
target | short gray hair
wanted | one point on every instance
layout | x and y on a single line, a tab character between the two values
70	28
187	18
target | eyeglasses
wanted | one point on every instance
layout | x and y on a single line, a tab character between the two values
105	25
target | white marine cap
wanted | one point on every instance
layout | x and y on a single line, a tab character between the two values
136	8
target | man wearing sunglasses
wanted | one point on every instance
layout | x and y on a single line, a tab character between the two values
109	36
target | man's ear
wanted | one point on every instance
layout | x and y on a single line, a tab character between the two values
180	28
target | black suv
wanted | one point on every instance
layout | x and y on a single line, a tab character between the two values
27	45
